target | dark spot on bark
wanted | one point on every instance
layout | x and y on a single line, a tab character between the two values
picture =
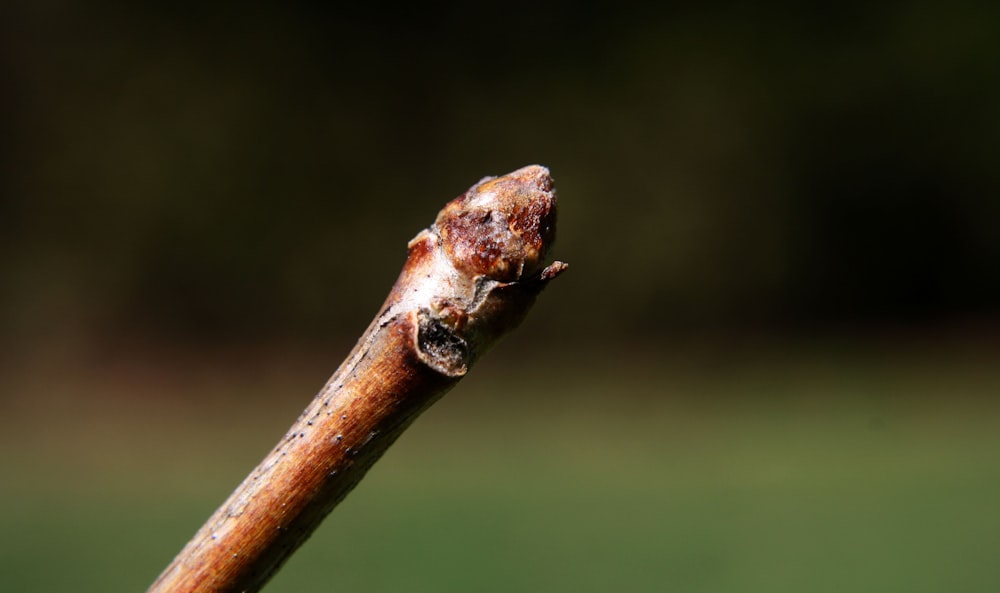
440	347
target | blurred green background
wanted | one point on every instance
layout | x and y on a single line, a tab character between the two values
771	367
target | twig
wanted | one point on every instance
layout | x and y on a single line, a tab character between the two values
468	279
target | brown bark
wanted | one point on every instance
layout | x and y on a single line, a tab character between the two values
468	279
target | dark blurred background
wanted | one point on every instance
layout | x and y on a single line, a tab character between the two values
773	203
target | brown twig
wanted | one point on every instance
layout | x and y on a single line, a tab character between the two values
468	279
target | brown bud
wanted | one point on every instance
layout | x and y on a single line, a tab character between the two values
501	227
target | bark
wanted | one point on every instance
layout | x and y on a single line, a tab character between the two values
468	279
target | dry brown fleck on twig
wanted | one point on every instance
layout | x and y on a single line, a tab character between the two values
469	278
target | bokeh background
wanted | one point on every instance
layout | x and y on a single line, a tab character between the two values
772	365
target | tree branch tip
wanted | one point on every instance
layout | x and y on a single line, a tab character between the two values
468	279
